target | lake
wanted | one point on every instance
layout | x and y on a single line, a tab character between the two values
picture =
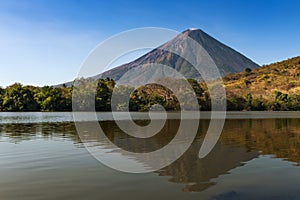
257	157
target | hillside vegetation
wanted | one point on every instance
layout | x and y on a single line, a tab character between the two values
281	76
271	87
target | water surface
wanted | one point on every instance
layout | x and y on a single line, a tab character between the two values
258	157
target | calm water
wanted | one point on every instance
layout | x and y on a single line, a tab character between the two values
257	157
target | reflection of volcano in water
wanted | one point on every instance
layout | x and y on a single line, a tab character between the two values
189	169
197	173
241	141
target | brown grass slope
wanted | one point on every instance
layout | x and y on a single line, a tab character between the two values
281	76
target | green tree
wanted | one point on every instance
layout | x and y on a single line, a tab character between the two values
248	104
235	103
122	95
259	104
248	70
1	98
103	94
281	101
19	98
54	99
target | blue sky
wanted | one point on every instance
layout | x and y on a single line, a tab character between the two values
44	42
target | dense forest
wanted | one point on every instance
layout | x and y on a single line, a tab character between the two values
273	87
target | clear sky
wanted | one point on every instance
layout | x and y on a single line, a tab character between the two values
44	42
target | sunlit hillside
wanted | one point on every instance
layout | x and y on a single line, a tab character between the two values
282	76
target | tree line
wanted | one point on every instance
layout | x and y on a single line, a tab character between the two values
18	98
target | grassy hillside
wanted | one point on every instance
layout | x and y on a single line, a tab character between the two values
281	76
272	83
